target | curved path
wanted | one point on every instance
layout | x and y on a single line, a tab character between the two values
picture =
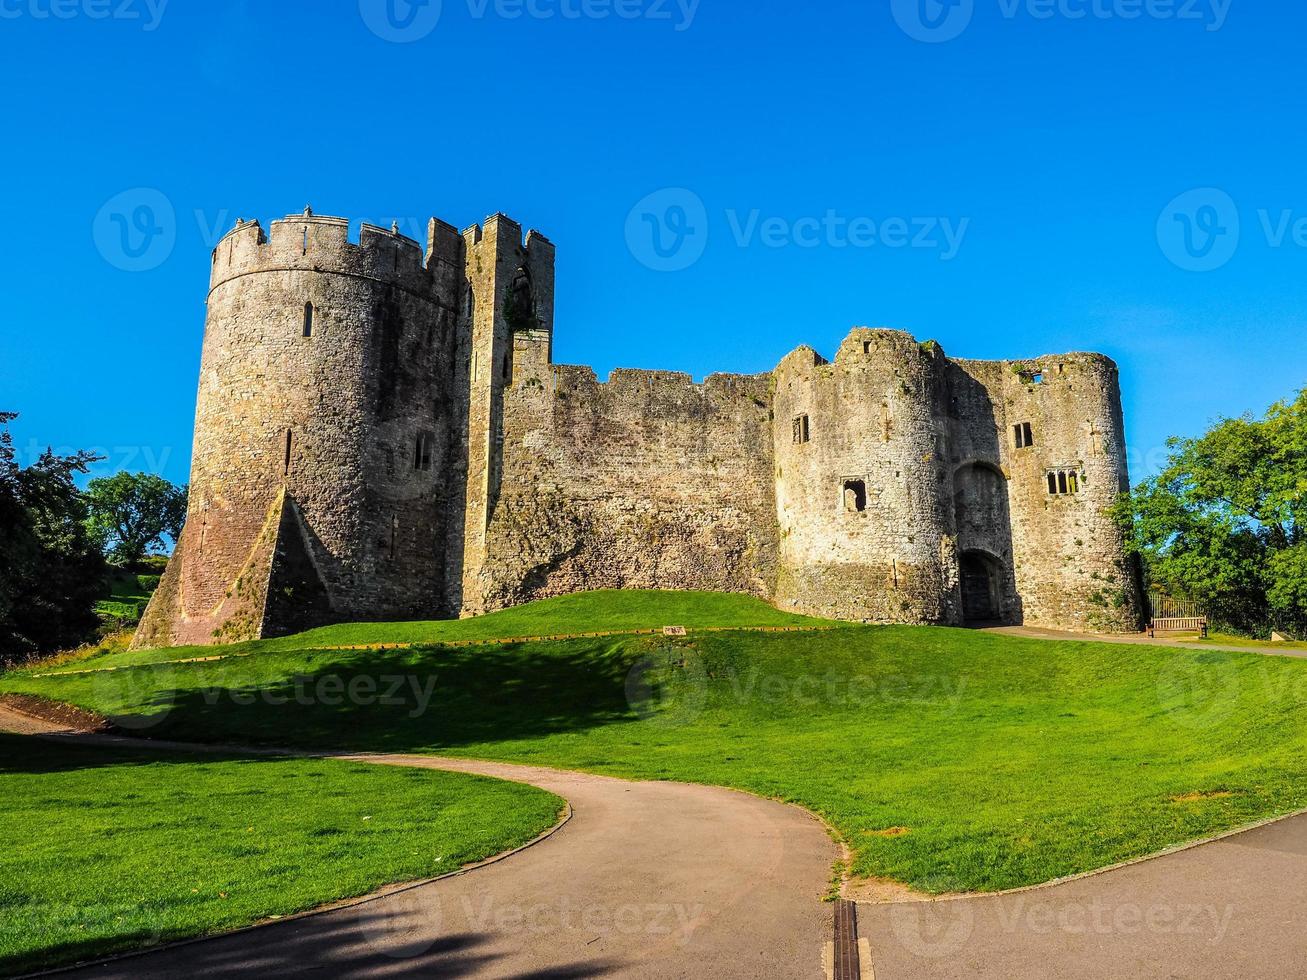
1231	909
646	880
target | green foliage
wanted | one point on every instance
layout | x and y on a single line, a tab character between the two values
151	565
129	513
1223	523
106	849
50	568
127	596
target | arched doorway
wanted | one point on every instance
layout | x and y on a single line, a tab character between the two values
981	577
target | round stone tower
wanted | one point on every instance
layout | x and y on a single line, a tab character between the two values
861	481
322	433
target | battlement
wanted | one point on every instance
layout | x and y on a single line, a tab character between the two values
506	231
318	243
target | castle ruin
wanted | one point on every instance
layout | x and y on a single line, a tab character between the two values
382	434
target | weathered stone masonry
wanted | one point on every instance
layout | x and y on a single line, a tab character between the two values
383	434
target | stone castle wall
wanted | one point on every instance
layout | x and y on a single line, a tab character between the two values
413	452
647	481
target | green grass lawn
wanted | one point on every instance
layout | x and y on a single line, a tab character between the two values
948	759
103	850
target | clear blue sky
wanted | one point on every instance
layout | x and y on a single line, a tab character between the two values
1055	143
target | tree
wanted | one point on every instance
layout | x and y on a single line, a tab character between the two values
1223	522
131	512
51	572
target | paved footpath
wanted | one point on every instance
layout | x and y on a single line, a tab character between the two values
1142	639
1229	910
647	879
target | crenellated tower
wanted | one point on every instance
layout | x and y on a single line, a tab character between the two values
322	433
506	335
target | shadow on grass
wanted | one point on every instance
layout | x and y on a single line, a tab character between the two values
388	938
47	755
428	698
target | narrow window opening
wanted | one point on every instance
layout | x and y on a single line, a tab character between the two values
855	496
866	347
394	534
1061	483
1022	435
885	422
1027	433
422	452
1073	483
308	319
1052	483
290	441
507	369
306	241
801	429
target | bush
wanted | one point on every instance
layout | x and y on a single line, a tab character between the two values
149	565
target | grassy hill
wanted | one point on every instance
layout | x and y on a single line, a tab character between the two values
948	759
103	850
586	612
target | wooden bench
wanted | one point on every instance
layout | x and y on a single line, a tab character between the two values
1179	624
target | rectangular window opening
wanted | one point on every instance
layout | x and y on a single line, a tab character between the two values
422	451
308	319
290	441
801	429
